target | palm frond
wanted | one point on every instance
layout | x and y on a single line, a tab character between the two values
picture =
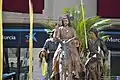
105	37
92	20
101	23
79	24
104	26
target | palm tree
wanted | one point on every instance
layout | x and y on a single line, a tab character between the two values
82	25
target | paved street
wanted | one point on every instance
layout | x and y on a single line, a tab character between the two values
36	69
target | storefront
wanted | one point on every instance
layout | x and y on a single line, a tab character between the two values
113	44
16	41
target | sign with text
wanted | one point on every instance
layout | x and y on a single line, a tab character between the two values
18	37
113	41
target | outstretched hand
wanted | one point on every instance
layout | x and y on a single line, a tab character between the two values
41	54
64	40
70	40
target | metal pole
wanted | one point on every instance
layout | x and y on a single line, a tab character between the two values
30	40
83	16
18	63
1	42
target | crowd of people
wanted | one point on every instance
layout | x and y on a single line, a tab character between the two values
64	57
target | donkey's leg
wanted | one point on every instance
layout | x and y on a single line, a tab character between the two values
62	76
63	73
69	69
99	70
92	70
62	69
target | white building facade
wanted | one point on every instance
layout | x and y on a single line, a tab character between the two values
53	9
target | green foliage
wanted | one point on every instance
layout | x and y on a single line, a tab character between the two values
79	23
48	25
102	24
103	36
66	10
82	25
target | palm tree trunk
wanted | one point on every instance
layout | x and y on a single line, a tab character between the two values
1	42
30	40
83	17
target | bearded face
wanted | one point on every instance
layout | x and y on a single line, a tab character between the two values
65	21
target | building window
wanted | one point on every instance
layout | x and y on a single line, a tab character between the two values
108	8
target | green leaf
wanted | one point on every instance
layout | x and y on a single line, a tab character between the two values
101	23
66	10
92	22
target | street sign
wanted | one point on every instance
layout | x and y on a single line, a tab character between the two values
19	37
113	41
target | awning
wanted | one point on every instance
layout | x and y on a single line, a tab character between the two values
108	8
22	6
